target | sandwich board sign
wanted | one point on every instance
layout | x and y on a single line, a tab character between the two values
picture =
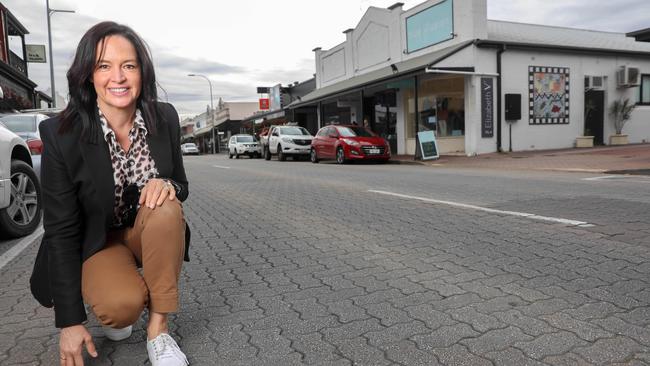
427	146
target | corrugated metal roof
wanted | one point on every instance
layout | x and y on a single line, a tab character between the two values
561	36
403	67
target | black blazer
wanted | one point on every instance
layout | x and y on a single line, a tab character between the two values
78	198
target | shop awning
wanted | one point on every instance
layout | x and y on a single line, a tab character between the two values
388	72
203	131
268	115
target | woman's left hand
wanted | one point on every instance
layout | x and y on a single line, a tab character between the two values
155	192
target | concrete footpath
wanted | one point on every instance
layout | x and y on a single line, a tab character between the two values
628	159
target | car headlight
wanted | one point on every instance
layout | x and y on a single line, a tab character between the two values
351	142
287	139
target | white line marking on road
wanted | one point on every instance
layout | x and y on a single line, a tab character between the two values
221	167
622	178
20	246
491	210
602	177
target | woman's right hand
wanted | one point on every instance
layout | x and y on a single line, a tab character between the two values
71	343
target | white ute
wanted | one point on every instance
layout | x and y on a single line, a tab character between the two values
286	141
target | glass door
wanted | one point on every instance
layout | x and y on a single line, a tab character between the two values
385	124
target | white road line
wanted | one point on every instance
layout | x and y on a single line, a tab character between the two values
602	177
221	167
621	178
20	246
491	210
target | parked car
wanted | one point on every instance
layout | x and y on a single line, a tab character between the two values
286	141
20	190
189	148
243	145
26	125
348	142
50	112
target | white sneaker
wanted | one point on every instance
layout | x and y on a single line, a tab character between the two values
117	334
163	351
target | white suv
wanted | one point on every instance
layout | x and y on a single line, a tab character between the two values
288	140
243	145
189	148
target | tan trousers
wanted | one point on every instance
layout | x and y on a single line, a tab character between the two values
110	281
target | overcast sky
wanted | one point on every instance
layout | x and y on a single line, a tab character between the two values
247	43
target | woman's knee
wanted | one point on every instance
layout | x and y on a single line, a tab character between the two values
120	311
169	213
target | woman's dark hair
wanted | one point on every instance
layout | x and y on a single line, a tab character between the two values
82	107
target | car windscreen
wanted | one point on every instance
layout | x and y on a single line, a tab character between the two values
245	139
299	131
17	123
190	144
355	131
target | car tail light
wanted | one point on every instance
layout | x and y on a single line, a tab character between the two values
35	146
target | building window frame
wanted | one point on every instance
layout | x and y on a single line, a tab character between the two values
641	96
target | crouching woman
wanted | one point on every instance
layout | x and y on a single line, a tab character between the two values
113	179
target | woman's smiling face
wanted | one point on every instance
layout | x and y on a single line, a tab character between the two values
117	77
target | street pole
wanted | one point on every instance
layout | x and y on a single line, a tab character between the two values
214	141
49	40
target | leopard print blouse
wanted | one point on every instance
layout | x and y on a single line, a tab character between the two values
135	166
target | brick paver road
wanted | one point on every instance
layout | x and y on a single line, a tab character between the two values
294	263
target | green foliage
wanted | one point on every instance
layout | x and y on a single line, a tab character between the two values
621	111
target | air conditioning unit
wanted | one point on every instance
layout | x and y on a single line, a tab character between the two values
627	76
594	82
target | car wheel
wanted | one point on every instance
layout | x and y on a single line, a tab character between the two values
236	154
229	155
340	156
23	214
281	156
267	153
313	156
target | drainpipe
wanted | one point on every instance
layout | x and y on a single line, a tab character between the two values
499	96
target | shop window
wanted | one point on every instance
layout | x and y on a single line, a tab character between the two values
441	104
342	110
643	96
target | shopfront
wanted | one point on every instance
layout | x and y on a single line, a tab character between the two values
391	110
441	101
481	85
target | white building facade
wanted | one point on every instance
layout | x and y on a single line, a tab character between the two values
481	85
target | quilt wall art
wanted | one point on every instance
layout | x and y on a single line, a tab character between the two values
548	94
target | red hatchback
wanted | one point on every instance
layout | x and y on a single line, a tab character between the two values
348	142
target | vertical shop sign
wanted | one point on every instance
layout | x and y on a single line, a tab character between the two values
487	103
275	98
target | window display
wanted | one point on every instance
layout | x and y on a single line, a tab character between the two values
441	102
